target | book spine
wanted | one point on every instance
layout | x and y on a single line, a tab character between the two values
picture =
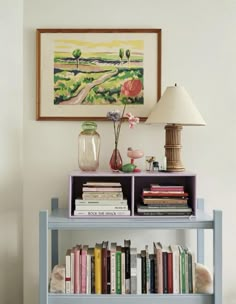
159	271
97	202
122	272
102	213
147	270
98	270
190	273
118	272
170	272
113	271
165	277
152	274
100	208
72	270
108	271
127	269
92	274
144	269
83	271
139	276
182	272
104	270
176	271
133	271
88	281
67	272
77	271
101	189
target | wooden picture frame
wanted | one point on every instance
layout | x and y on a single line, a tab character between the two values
80	72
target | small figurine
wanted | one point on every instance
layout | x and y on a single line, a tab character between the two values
132	154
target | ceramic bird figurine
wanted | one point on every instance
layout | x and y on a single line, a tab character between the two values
132	154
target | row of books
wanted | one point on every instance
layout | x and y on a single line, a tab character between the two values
101	199
164	200
123	270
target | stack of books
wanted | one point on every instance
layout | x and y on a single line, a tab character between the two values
101	199
161	200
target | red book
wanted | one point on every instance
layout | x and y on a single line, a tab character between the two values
170	272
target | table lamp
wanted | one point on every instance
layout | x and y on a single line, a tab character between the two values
175	109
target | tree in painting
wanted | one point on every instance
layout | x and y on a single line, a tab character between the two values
76	54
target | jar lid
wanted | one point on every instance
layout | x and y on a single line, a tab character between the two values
89	125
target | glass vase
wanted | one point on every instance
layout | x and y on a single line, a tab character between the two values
116	160
89	147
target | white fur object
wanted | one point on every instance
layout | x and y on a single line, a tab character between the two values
203	279
57	279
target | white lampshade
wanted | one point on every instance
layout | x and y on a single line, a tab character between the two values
175	107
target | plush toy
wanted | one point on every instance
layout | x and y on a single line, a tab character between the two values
203	279
57	280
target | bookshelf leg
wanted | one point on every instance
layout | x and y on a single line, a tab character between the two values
43	259
200	235
217	256
54	237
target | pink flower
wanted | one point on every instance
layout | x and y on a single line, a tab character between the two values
131	88
132	120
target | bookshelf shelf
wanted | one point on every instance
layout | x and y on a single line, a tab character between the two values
59	219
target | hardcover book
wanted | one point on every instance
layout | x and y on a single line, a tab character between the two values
68	271
118	269
133	271
113	267
127	244
98	268
104	266
159	266
102	213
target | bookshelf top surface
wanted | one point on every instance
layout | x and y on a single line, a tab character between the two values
137	174
59	219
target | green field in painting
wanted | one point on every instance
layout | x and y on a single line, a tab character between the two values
104	69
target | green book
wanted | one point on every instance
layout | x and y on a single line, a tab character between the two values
182	270
118	269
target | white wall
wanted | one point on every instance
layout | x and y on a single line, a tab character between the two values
11	33
199	48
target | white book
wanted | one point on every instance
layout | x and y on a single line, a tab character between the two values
113	267
88	285
139	274
133	270
67	272
102	184
176	269
102	213
96	202
72	267
102	189
100	208
102	195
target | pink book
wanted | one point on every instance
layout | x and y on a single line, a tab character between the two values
77	271
84	269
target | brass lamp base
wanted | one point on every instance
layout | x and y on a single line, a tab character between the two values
173	148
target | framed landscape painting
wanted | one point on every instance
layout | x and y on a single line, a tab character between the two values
83	73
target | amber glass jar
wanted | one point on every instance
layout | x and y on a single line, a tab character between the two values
89	147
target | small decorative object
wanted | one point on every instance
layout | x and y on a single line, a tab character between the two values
130	89
156	166
149	162
127	168
57	279
89	147
134	154
204	281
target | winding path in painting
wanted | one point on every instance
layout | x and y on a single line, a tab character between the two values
84	92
